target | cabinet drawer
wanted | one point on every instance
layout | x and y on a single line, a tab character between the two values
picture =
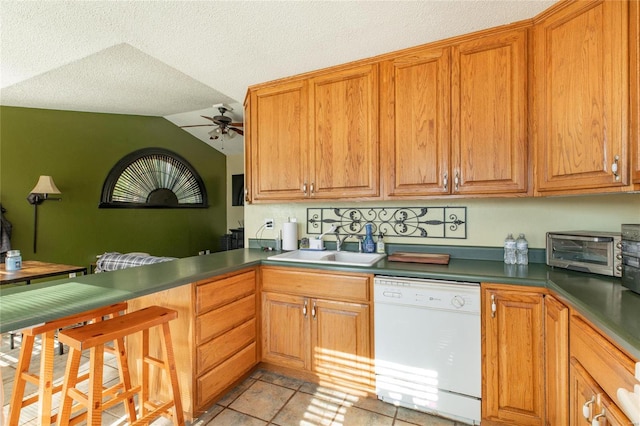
317	284
610	368
217	350
210	295
211	384
218	321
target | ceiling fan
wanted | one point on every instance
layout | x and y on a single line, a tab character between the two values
224	125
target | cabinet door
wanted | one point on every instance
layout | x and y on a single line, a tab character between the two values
584	395
285	330
582	88
414	124
589	402
556	335
634	58
277	141
513	367
344	133
489	114
340	343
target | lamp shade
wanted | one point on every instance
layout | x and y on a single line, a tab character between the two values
45	185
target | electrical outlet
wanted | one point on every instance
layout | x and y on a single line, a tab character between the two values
268	224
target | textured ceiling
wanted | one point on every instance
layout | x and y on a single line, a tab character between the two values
178	58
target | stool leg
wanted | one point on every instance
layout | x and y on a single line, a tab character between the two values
170	364
70	380
19	383
125	377
96	365
144	377
45	389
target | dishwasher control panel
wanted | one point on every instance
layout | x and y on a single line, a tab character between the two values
433	294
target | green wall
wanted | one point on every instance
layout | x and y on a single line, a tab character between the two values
79	149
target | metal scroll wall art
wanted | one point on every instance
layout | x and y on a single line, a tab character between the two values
415	222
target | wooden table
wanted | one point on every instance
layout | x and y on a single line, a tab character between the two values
33	270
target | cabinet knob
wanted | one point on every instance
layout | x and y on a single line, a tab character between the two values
614	167
595	421
586	408
493	306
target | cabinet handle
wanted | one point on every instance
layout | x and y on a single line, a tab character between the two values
586	408
493	306
446	181
304	188
312	188
456	181
595	421
304	309
313	311
614	167
246	194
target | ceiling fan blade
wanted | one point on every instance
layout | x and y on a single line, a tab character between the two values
238	131
208	118
198	125
236	124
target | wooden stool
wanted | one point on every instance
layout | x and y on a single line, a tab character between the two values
44	381
93	337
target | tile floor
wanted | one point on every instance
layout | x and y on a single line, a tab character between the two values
265	398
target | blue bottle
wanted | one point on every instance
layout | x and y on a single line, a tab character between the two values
368	245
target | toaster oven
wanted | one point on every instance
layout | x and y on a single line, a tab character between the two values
586	251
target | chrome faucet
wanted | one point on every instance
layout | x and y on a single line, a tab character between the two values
339	241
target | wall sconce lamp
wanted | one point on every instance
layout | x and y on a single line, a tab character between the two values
38	195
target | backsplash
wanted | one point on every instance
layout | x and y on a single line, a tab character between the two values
492	218
412	222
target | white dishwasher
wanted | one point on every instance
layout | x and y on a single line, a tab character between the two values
427	346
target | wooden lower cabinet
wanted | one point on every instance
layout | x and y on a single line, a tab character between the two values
556	354
285	330
214	337
512	354
598	369
311	329
589	402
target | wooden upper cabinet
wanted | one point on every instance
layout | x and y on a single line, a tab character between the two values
414	123
344	133
581	96
277	144
489	114
634	68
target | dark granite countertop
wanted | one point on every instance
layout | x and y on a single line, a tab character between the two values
602	300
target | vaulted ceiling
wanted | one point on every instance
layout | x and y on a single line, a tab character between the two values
176	59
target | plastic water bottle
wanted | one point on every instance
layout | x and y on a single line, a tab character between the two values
368	245
522	250
510	250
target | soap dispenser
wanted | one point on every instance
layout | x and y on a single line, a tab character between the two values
368	245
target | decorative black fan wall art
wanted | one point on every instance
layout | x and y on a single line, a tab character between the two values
153	178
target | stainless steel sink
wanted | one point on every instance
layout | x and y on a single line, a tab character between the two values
329	257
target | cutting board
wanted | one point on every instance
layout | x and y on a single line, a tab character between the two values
441	259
